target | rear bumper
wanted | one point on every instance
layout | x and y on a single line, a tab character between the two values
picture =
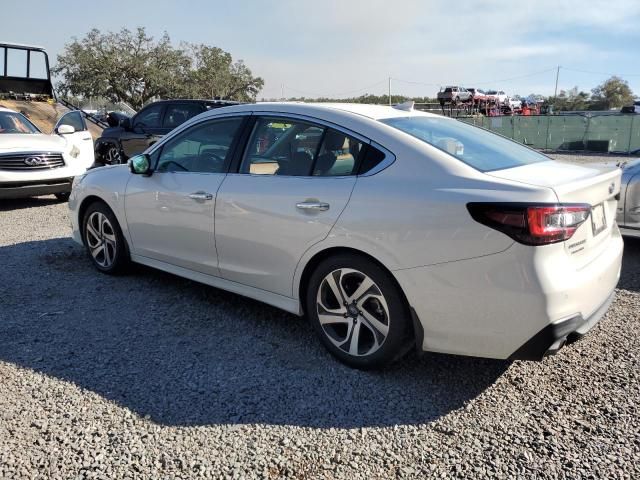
553	337
35	188
492	306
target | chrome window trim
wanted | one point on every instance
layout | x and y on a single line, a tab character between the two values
318	121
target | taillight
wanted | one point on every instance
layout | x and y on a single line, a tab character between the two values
532	224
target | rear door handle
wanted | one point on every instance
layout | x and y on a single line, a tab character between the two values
201	196
313	206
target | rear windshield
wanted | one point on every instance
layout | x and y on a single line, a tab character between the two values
474	146
11	122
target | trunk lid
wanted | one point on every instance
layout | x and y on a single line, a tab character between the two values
596	185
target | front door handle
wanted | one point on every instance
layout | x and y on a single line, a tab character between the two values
313	206
201	196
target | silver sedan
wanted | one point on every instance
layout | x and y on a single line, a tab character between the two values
629	203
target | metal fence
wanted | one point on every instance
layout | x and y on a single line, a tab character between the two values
597	133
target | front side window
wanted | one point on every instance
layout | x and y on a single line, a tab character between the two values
474	146
149	117
203	148
73	119
11	122
180	113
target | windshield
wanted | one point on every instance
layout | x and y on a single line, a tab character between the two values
11	122
481	149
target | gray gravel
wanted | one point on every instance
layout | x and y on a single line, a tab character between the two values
153	376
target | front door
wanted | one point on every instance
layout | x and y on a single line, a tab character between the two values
145	129
81	138
293	182
170	213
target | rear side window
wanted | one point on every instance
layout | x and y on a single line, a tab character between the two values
474	146
281	146
338	156
180	113
371	159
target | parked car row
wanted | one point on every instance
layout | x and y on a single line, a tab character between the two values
456	94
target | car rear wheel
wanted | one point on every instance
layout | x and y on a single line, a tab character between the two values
104	240
358	311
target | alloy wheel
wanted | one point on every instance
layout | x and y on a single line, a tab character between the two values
353	312
113	156
101	239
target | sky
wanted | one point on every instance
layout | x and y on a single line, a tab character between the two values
347	48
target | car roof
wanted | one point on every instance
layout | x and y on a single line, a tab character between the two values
374	112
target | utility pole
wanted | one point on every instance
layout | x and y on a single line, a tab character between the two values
555	92
389	91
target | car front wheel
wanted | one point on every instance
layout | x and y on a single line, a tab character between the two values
358	311
104	240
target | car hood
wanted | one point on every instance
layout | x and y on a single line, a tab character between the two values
36	142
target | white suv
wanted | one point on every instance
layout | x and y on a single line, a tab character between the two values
33	163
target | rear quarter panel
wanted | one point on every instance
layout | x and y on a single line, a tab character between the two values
414	213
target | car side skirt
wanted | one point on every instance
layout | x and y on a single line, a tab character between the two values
287	304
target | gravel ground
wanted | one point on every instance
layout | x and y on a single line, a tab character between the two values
153	376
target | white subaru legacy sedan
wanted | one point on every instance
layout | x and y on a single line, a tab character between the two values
387	227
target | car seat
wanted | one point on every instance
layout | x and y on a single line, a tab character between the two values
298	165
334	144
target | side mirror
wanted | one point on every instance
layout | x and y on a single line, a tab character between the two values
140	164
65	130
126	123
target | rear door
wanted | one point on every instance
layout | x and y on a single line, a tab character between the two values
294	180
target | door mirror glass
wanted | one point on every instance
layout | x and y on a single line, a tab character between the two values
140	164
65	129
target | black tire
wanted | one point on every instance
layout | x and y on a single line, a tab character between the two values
394	314
116	251
62	196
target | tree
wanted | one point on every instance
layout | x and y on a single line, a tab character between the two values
570	100
132	67
214	74
613	93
